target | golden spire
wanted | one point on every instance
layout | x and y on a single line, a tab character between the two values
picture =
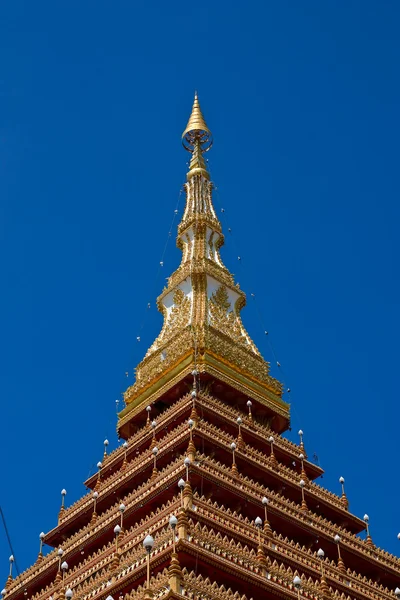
197	139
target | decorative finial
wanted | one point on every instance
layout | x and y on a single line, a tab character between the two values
191	449
303	473
125	447
60	553
234	468
272	456
106	443
155	471
187	462
324	586
153	425
343	498
121	509
368	540
95	495
62	508
249	405
341	566
98	482
261	558
64	569
42	535
304	506
148	410
197	139
240	441
301	433
63	494
10	577
174	571
267	526
297	585
181	486
148	544
117	531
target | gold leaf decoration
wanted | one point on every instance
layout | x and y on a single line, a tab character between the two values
224	319
177	319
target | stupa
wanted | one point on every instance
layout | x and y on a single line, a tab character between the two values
205	498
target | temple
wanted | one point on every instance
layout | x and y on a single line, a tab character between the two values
205	498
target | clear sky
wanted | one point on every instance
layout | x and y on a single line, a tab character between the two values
303	100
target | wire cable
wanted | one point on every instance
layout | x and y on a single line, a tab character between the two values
9	539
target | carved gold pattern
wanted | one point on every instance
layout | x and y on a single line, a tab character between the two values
176	320
224	317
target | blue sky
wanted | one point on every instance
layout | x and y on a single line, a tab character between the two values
302	98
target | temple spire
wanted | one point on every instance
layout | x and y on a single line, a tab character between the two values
201	304
197	139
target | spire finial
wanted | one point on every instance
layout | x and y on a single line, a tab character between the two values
197	139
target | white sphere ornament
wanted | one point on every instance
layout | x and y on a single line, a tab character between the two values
42	535
125	445
190	423
106	442
297	582
69	593
341	479
117	530
366	518
239	421
186	462
154	424
265	501
3	592
148	408
60	552
320	553
173	522
148	543
397	592
155	450
122	508
63	492
302	483
271	439
11	559
249	403
95	495
233	446
194	394
258	522
181	484
301	432
301	456
64	566
398	536
99	464
337	538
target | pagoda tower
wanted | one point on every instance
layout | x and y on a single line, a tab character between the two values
205	499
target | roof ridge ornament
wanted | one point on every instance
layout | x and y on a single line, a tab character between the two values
197	139
196	129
